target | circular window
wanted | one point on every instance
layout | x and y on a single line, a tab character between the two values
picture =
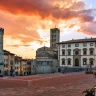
76	52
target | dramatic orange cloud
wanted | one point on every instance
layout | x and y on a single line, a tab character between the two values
43	8
27	23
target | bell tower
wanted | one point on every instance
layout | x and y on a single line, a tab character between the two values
54	37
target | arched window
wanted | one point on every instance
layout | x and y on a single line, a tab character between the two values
69	51
91	51
84	61
63	52
63	61
91	61
84	51
69	61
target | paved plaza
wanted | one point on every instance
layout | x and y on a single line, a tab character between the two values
58	84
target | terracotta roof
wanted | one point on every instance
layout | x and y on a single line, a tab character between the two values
23	59
78	41
12	54
6	51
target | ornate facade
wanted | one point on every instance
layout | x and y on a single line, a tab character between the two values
44	62
77	53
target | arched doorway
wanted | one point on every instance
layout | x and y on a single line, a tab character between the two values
76	62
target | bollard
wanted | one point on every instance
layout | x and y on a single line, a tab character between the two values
29	83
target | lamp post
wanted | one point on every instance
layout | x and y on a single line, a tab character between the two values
90	68
7	71
21	69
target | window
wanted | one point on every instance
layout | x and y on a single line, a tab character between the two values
84	61
84	52
69	52
53	36
69	61
63	45
91	61
84	44
76	52
76	45
69	45
63	52
6	60
91	44
53	40
11	62
6	65
63	61
91	52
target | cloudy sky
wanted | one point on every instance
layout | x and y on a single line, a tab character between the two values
27	23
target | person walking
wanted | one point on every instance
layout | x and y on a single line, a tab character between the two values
13	74
64	71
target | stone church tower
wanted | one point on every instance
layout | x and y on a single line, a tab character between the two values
1	52
54	37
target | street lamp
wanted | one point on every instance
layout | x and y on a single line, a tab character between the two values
21	69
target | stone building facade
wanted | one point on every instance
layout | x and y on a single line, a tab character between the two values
77	53
1	52
44	62
17	65
9	63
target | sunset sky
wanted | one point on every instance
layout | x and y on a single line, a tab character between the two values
27	23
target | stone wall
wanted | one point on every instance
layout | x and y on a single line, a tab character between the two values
1	52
